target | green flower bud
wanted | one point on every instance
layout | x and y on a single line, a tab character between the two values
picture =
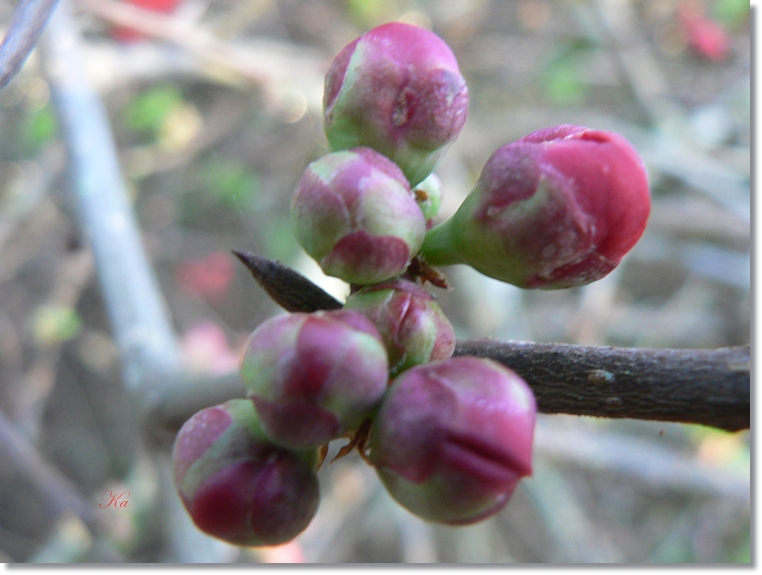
412	326
313	377
353	212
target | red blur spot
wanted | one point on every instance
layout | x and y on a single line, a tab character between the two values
705	36
208	278
127	34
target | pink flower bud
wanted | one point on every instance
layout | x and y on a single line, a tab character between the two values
236	484
412	325
353	212
556	209
396	89
313	377
453	438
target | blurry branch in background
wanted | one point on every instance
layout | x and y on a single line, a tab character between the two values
177	31
57	494
76	526
141	324
705	386
27	24
656	464
270	66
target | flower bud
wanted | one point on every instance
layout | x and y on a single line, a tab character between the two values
313	377
396	89
412	326
236	484
453	438
353	212
428	194
558	208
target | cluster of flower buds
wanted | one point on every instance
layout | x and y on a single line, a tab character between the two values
394	103
450	437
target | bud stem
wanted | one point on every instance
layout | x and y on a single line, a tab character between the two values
437	247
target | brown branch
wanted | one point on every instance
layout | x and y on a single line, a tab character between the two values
705	386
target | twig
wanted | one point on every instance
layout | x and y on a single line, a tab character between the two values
27	24
140	322
705	386
654	463
256	64
74	273
56	491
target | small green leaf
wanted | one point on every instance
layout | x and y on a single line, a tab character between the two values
52	324
147	111
562	85
231	184
731	13
39	127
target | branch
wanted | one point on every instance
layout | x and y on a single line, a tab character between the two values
141	325
268	65
57	492
704	386
27	24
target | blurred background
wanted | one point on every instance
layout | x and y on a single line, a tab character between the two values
216	117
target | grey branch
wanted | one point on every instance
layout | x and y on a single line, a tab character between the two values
705	386
27	24
141	323
59	495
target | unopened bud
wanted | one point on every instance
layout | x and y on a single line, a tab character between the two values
412	325
239	486
313	377
558	208
354	212
453	438
396	89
